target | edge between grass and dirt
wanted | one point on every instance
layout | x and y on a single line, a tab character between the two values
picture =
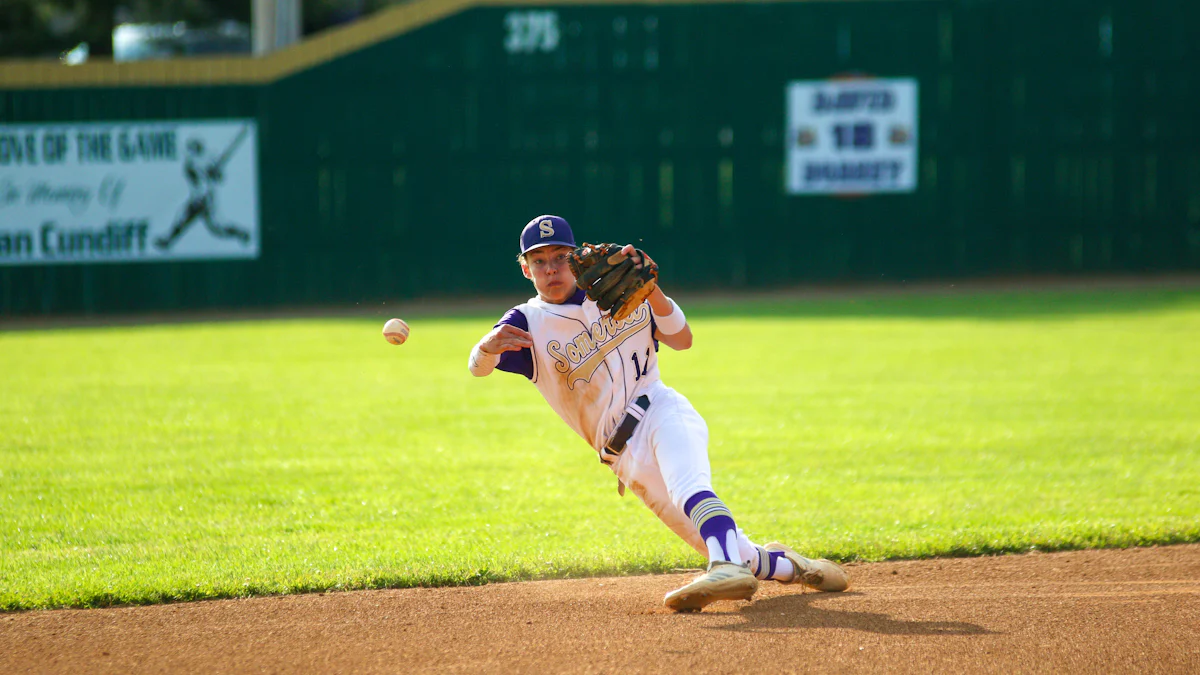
484	577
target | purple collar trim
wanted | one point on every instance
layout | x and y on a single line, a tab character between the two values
578	298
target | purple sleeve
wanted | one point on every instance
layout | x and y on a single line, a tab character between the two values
653	330
520	361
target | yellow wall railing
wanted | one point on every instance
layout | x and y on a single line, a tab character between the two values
321	48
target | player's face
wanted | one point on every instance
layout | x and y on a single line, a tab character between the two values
547	268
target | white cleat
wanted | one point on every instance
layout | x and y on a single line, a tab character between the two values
820	574
722	581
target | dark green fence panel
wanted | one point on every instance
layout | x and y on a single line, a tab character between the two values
1054	138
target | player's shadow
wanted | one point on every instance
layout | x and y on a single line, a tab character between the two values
798	611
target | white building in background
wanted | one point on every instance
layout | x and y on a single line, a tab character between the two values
146	41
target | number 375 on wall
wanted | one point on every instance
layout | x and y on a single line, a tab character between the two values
529	31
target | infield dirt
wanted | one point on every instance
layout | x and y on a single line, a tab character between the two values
1135	610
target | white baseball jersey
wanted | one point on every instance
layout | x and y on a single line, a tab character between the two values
588	367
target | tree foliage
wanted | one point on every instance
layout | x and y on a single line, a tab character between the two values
46	28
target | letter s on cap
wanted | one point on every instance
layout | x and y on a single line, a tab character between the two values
547	228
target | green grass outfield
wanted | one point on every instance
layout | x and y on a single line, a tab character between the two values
158	463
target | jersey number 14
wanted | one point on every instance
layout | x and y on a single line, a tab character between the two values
640	369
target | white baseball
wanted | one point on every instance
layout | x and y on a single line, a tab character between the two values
395	331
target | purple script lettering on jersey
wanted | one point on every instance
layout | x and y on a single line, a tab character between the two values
581	356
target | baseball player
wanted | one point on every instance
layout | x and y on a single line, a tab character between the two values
601	376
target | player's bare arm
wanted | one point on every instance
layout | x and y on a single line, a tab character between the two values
662	306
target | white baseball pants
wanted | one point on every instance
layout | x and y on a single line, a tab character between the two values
666	460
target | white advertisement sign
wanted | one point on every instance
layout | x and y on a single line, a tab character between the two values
128	192
852	136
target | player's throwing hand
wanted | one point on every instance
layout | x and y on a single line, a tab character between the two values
505	338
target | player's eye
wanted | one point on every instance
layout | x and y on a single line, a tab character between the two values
560	259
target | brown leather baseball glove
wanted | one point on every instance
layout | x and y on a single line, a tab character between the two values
612	278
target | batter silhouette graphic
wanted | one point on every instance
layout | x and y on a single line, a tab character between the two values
203	175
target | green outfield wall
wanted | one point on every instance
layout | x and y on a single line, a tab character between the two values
399	157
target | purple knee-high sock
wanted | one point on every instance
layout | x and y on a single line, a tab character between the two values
716	526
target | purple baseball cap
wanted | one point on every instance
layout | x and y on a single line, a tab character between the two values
546	231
